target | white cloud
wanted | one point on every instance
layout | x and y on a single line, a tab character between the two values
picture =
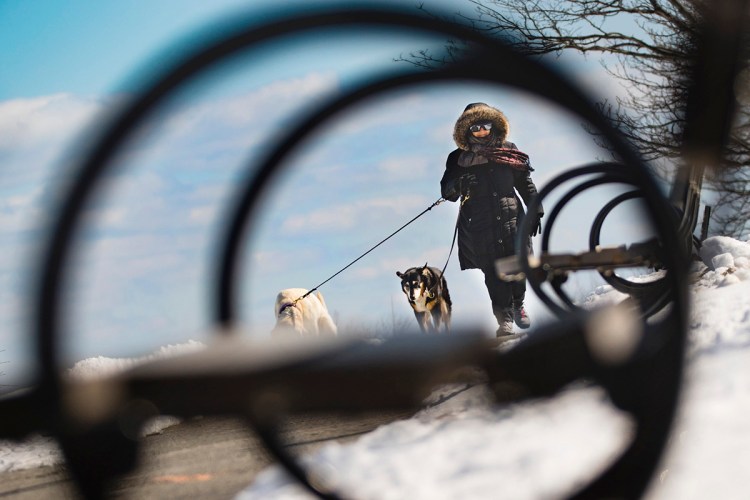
34	121
273	263
396	111
109	217
442	132
34	134
407	167
346	216
20	212
246	117
277	97
203	215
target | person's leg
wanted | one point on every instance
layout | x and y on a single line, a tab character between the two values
520	316
519	291
519	311
501	296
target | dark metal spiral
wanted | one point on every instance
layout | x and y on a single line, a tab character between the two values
646	385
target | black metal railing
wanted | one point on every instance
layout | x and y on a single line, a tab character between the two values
233	378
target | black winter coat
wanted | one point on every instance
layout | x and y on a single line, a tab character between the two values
489	219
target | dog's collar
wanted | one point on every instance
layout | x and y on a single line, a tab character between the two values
285	307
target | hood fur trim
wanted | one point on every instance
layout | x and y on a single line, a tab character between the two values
476	113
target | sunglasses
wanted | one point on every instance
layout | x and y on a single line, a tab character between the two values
480	126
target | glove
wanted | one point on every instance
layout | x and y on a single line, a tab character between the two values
465	182
537	227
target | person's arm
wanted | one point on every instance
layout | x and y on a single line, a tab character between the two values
523	183
526	188
449	185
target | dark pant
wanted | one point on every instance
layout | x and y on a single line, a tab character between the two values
504	295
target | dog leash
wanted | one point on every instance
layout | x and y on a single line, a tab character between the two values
453	244
431	293
436	203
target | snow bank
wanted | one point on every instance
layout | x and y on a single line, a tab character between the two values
103	367
463	448
719	317
37	451
466	449
537	450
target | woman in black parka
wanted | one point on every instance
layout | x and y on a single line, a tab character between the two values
488	173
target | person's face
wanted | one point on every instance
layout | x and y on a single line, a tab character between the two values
481	130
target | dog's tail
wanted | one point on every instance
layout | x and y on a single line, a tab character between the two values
320	298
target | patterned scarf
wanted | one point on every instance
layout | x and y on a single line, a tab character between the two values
483	151
507	156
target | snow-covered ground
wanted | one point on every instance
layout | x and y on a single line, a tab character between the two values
465	449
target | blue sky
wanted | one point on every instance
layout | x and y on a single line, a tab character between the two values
141	271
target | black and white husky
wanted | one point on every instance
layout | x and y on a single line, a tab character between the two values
427	291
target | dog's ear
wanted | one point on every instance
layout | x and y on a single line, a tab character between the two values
399	274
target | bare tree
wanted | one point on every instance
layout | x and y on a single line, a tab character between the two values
649	46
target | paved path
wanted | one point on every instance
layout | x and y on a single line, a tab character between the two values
201	458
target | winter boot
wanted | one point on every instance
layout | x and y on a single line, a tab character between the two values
505	329
520	317
505	320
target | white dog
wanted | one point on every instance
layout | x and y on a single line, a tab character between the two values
305	318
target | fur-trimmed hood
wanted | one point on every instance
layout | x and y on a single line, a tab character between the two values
477	112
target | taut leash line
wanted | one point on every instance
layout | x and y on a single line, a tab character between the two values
436	203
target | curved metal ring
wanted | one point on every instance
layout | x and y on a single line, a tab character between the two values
554	213
47	327
653	295
251	191
623	175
